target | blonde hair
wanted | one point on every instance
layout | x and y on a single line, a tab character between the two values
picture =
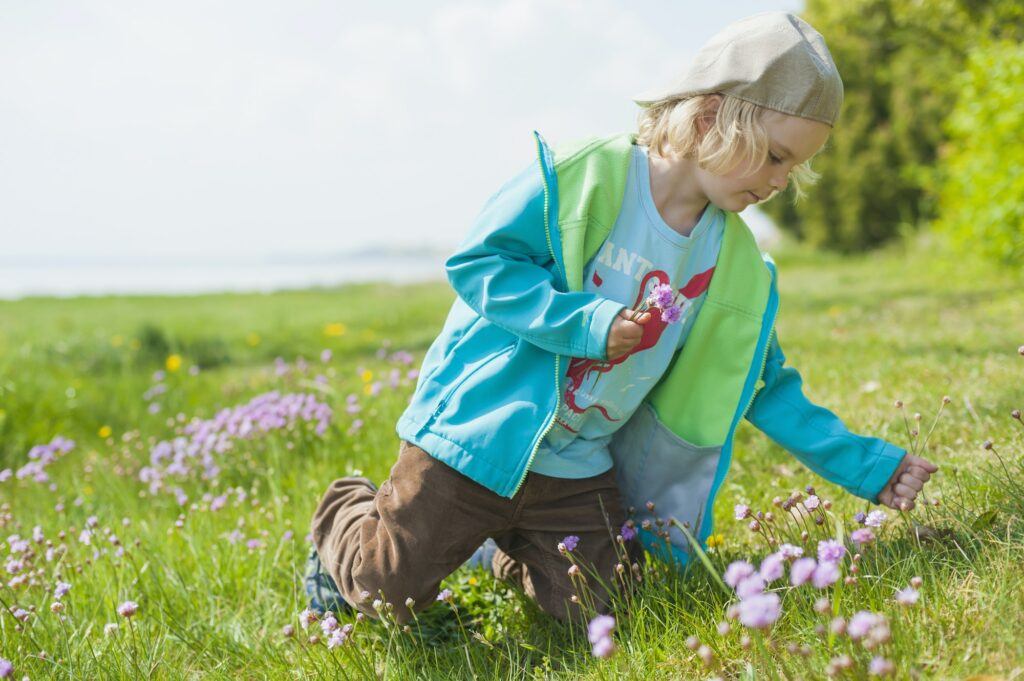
737	135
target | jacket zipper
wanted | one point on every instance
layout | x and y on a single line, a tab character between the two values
760	374
558	390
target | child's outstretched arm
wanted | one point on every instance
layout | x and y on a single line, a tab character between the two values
505	272
868	467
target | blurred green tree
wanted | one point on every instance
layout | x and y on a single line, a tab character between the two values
898	59
981	182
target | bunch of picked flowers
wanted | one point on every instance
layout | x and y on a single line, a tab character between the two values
663	298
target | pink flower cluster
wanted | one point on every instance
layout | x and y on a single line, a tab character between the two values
203	441
40	456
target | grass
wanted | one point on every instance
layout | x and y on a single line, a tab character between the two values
863	331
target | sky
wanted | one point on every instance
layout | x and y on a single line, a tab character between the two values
190	130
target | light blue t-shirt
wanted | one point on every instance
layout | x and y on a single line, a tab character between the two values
641	252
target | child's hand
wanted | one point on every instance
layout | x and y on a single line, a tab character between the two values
906	482
624	334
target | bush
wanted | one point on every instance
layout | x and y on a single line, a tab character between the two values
981	188
896	58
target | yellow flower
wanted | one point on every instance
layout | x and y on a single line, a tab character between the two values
105	432
135	344
715	540
253	339
472	581
117	341
335	329
368	389
173	362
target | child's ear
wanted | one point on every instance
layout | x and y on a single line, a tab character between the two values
708	114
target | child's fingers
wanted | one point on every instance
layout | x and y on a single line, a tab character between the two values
910	481
905	491
903	504
922	463
919	473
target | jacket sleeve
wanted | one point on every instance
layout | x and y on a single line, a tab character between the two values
505	272
817	437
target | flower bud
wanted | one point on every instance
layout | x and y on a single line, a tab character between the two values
916	582
650	506
1015	414
898	404
754	526
987	444
692	642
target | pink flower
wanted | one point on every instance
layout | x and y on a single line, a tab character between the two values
336	638
825	574
772	567
600	627
875	519
329	623
812	502
604	648
830	551
671	314
738	571
907	596
445	595
6	668
801	571
861	624
790	551
879	666
760	611
571	542
742	511
627	532
750	586
306	617
862	536
127	609
662	296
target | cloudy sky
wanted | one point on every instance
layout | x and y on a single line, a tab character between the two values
196	129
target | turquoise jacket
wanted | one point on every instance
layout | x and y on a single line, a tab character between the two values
491	382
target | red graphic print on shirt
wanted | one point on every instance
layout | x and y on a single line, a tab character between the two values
580	367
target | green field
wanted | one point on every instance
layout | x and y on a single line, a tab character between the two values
217	575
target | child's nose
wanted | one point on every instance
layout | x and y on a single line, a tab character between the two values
779	181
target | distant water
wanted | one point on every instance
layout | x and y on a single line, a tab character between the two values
150	276
102	278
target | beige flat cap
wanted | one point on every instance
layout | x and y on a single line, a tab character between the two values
774	59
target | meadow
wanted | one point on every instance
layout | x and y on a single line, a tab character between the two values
161	458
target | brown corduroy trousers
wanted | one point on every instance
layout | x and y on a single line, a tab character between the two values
427	519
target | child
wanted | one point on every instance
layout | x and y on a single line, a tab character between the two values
555	396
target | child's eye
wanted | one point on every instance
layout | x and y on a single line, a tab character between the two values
773	158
